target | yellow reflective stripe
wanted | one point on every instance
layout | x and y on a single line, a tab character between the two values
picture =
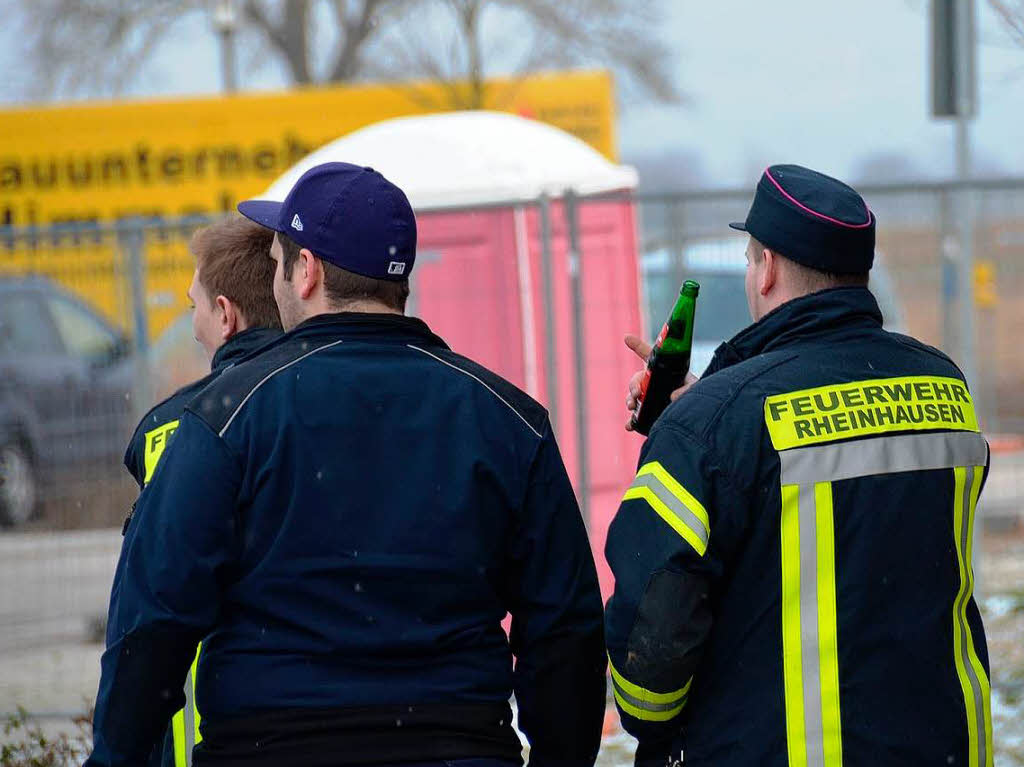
828	645
178	733
959	480
185	723
673	503
792	666
979	669
863	408
680	492
645	704
195	706
810	663
974	682
155	442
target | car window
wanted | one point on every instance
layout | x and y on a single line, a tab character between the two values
83	335
25	326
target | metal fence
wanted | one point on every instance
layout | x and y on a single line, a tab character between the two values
110	334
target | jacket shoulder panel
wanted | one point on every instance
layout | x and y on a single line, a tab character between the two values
702	407
161	413
220	403
927	349
529	411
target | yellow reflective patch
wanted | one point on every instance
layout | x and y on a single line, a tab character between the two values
862	408
156	441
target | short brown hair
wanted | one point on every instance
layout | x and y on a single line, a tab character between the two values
343	286
233	258
811	280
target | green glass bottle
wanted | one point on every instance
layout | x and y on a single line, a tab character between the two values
669	360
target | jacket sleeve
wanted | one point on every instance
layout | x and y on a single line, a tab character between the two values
556	632
166	592
133	459
663	550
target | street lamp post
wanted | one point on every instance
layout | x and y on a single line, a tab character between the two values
225	21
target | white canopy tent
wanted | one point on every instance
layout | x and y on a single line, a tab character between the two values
467	159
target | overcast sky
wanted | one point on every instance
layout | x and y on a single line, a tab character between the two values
826	84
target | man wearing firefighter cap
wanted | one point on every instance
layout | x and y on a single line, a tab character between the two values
793	562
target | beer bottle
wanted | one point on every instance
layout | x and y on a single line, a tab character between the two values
668	362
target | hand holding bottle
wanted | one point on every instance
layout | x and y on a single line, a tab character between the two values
642	349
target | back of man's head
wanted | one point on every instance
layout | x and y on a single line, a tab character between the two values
352	226
808	232
232	260
801	279
344	289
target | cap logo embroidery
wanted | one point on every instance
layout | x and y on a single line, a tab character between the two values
297	222
396	267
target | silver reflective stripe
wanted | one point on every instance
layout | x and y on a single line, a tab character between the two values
646	705
682	513
882	455
190	717
958	610
810	660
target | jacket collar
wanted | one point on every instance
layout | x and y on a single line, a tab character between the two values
827	313
369	326
242	345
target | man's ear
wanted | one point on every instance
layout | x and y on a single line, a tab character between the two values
310	273
770	274
227	313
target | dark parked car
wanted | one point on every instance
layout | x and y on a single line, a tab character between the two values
65	398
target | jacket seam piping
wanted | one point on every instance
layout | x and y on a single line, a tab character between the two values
267	377
481	382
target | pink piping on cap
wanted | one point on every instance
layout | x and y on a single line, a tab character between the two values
767	172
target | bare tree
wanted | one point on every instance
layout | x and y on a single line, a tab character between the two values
96	47
1011	13
463	42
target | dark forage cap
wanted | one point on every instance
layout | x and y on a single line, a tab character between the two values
813	219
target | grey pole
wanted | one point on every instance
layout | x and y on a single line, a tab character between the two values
550	342
579	339
130	240
225	20
965	48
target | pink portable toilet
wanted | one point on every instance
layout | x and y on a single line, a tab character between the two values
476	181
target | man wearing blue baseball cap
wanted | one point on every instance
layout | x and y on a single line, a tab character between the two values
344	521
793	561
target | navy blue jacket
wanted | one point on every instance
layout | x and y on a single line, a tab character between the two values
793	580
158	425
344	521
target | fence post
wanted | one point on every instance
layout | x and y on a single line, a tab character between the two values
579	340
131	242
550	342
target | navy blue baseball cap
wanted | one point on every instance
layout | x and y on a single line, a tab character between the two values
347	215
812	219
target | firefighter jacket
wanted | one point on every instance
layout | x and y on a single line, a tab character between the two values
793	562
344	520
147	444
